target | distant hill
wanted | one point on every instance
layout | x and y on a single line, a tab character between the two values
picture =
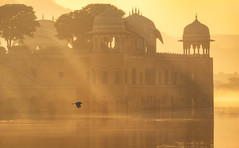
225	51
170	45
229	81
45	36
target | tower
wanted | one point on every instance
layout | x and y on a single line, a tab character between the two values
196	36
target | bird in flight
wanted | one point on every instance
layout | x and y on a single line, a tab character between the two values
78	104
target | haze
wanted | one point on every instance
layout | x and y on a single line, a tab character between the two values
220	16
63	125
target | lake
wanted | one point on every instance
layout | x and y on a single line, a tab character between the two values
171	131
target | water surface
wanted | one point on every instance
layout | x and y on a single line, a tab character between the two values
171	130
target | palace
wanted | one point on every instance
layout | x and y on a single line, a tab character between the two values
120	73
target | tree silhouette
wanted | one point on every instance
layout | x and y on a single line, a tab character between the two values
75	25
16	21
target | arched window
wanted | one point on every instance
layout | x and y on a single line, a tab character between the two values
110	42
105	43
114	42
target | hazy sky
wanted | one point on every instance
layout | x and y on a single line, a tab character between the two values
170	16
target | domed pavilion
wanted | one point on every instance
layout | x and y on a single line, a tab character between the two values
134	34
108	30
196	36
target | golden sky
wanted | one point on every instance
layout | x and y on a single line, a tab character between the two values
169	16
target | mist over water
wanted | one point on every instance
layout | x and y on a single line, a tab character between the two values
45	123
226	90
172	129
73	128
122	131
226	129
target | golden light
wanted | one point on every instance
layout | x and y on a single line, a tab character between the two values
171	16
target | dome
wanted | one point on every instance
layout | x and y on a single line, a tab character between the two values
196	31
196	35
142	26
196	28
108	22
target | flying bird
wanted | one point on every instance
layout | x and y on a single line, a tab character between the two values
78	104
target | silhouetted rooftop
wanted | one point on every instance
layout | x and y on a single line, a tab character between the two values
142	26
196	31
107	22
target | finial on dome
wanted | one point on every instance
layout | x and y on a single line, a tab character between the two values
196	16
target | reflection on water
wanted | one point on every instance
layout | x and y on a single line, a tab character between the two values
226	128
172	130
